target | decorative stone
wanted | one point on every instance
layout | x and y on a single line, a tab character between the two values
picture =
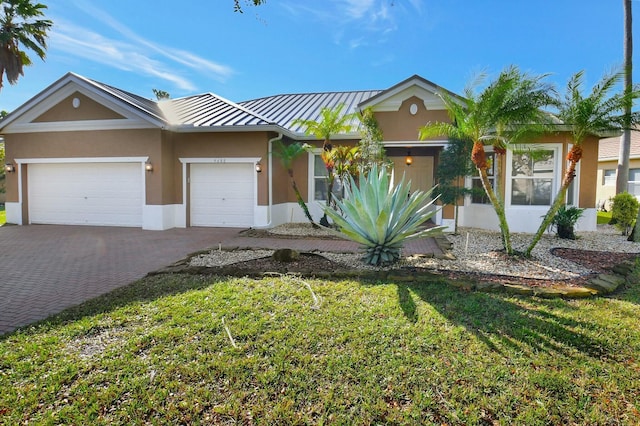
286	255
518	289
605	283
488	286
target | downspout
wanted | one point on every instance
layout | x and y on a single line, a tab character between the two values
270	180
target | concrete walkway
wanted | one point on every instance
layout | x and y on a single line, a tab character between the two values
47	268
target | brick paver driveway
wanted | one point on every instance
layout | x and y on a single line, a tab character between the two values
46	268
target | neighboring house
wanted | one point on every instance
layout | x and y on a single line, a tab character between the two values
84	152
608	153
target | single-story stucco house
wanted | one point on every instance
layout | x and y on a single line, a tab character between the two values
608	154
83	152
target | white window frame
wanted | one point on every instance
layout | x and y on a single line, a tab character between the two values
312	176
556	180
611	181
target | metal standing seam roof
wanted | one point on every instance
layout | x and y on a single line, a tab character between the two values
209	110
147	106
284	109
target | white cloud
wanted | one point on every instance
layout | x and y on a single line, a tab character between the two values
131	52
355	20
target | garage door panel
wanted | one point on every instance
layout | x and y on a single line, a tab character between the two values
86	194
222	194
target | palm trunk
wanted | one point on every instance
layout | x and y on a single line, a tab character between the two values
479	159
499	209
301	202
569	176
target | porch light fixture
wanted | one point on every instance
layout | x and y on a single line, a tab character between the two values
148	166
9	168
409	159
258	167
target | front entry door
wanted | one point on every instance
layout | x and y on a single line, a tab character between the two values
420	173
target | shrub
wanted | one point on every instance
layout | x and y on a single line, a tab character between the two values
565	219
381	217
624	211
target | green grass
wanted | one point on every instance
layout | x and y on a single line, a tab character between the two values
371	353
3	215
603	217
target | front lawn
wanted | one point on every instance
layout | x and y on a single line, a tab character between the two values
603	217
318	352
3	215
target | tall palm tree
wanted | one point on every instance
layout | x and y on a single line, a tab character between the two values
20	30
505	111
622	175
597	113
331	122
288	153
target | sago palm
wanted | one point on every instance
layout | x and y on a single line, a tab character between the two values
287	154
599	112
506	110
20	30
381	216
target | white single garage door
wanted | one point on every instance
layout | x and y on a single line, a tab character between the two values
103	194
222	194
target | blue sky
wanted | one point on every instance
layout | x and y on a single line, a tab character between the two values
291	46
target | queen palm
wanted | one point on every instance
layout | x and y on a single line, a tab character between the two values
331	122
20	30
599	112
288	153
504	112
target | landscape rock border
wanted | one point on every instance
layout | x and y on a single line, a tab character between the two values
602	284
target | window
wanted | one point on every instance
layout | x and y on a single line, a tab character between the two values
634	182
532	177
479	196
320	181
609	177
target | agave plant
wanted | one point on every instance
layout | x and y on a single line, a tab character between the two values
381	216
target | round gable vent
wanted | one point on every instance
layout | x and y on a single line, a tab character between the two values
413	109
75	102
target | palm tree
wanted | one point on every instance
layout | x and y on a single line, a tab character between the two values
505	111
330	122
595	114
288	153
20	29
622	175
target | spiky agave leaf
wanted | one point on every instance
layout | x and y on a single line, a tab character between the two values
381	216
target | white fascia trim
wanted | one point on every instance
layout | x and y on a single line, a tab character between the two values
20	161
84	125
426	143
64	88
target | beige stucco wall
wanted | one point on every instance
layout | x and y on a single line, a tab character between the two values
105	143
218	145
401	125
604	192
88	109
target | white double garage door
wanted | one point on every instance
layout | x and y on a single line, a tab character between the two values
113	194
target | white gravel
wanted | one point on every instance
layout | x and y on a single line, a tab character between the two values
475	250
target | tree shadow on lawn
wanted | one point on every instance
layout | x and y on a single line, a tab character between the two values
498	319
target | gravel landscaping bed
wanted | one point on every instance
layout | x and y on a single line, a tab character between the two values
476	252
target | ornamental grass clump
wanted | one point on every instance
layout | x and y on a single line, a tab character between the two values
381	216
